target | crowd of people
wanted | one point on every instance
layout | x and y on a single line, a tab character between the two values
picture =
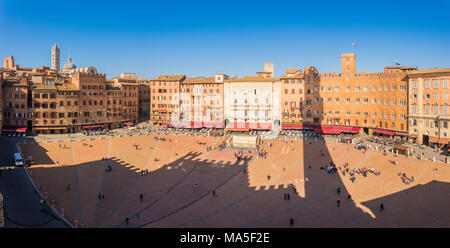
406	180
360	171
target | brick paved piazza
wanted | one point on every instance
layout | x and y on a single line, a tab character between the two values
243	199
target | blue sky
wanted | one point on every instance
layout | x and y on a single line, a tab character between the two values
201	38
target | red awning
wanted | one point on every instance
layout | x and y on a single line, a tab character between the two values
21	130
238	126
330	130
345	129
384	131
212	124
195	124
260	126
401	134
292	126
93	126
179	124
128	123
444	141
14	129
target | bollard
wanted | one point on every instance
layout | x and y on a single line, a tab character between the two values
396	152
434	159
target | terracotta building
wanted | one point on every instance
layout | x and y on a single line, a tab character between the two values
165	98
355	102
252	103
1	99
201	103
143	93
40	100
16	114
429	117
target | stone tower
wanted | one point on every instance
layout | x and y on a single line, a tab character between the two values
348	69
55	57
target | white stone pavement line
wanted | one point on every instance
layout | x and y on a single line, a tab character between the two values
169	190
130	189
76	184
289	209
102	182
40	195
245	197
358	218
190	203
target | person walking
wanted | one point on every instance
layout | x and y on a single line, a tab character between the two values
214	193
127	220
338	203
141	197
349	197
338	190
291	222
381	207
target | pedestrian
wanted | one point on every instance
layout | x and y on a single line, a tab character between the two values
288	196
338	203
138	215
381	207
195	184
349	197
213	193
268	177
338	190
99	196
127	220
68	187
141	197
291	222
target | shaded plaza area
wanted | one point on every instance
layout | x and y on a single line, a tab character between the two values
144	181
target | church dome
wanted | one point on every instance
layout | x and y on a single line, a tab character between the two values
69	65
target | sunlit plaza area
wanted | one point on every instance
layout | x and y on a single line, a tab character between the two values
171	178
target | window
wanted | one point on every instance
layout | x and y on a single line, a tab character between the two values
436	84
427	84
414	84
444	110
445	96
357	89
435	96
445	83
427	109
